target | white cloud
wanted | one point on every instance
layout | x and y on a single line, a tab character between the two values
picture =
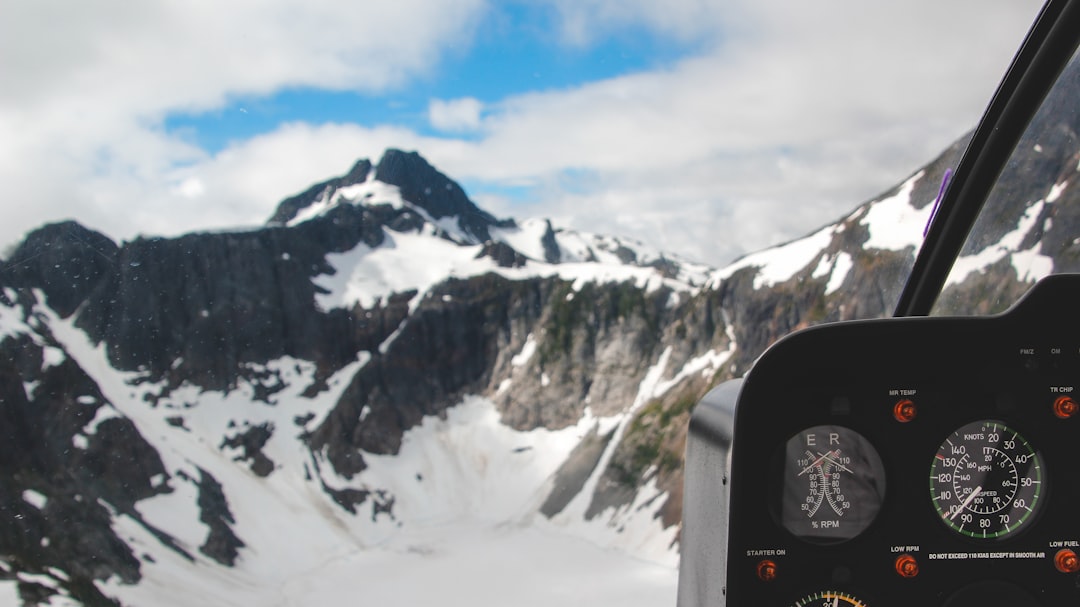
192	187
791	115
788	124
583	21
455	115
177	54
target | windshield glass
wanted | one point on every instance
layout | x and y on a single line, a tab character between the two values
1030	225
413	300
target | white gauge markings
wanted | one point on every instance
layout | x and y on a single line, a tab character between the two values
986	480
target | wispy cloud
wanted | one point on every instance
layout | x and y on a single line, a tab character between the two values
455	115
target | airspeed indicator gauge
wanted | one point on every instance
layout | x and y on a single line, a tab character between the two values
832	484
986	480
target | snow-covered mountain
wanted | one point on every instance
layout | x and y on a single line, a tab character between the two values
245	417
1027	230
387	393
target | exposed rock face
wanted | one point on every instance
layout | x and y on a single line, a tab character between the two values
289	207
250	443
418	182
221	544
1032	216
503	254
439	195
1048	156
552	254
444	350
73	258
198	307
68	465
575	471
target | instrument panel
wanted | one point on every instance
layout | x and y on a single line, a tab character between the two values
914	461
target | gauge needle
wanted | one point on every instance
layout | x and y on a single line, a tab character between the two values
814	463
836	601
823	457
829	456
967	501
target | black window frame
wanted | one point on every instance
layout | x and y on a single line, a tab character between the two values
1043	55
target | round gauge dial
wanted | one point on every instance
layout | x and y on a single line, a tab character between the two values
830	598
986	480
833	484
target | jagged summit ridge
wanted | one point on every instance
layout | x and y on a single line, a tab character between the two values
289	207
404	196
401	180
423	185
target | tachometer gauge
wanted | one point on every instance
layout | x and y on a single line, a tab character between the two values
833	484
829	598
986	480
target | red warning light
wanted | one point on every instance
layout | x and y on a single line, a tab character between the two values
766	571
907	566
1065	407
1066	561
904	411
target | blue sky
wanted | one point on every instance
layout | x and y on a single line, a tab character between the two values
516	49
708	128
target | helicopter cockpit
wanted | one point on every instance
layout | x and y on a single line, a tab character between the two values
929	458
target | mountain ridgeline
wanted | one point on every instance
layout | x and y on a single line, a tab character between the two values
152	391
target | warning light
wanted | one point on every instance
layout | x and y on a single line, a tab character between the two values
904	411
1066	561
907	566
1065	407
766	571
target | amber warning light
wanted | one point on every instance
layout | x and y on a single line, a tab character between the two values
907	566
1066	561
1065	407
766	570
904	411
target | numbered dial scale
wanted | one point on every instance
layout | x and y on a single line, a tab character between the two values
829	598
986	480
833	484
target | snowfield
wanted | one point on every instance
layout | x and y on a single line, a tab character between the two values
463	530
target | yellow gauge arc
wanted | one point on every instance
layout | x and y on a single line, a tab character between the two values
830	598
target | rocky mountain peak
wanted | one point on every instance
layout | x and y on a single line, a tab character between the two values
412	181
423	185
74	258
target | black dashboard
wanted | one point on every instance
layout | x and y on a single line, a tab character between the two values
909	461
